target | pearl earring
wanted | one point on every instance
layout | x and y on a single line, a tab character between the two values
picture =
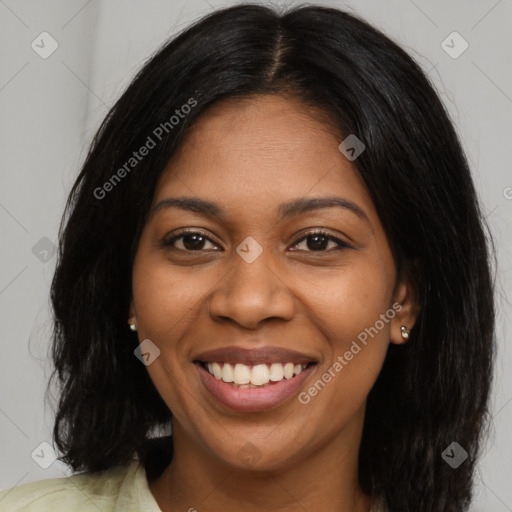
133	327
405	332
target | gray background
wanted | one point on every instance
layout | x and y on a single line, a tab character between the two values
50	108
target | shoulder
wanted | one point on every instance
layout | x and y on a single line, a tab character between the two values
81	492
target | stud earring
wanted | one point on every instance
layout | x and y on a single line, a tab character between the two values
133	327
405	332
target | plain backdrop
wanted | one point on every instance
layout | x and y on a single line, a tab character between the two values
51	105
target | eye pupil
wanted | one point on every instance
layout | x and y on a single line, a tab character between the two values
197	241
317	245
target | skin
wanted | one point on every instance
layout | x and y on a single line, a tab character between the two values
249	156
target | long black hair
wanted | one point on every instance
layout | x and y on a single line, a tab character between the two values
432	391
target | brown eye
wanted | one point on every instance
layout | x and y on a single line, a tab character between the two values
189	241
318	241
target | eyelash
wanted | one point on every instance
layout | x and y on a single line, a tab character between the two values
167	242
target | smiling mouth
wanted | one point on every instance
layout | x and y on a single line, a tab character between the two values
242	376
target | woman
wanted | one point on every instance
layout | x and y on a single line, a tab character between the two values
275	248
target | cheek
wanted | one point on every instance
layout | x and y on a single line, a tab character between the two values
349	309
167	300
166	296
350	301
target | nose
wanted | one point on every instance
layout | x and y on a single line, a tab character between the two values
251	293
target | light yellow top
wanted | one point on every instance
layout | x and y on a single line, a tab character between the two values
119	489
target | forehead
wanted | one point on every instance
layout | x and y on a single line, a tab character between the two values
253	153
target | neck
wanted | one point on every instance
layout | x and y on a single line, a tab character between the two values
325	478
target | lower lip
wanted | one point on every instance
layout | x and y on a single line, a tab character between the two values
253	399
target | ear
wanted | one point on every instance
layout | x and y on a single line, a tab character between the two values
406	306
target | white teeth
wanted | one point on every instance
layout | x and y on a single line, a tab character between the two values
241	374
216	370
276	372
288	370
260	374
227	373
244	376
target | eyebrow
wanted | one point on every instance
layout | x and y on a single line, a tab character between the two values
285	210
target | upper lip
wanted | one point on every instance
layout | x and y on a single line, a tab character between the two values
260	355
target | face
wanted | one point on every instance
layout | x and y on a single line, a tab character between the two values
251	271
